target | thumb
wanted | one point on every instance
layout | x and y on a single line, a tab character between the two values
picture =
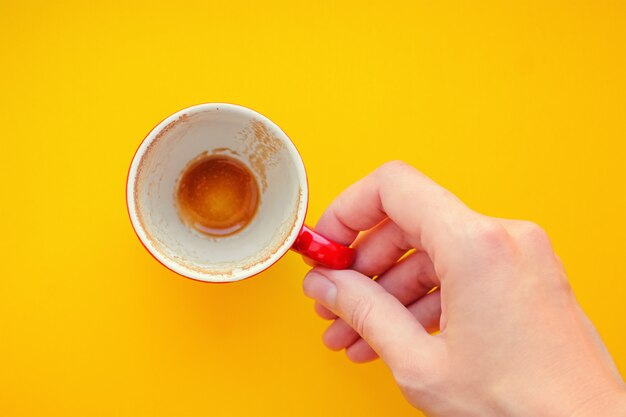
387	326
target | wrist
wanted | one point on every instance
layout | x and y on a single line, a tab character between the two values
607	400
610	403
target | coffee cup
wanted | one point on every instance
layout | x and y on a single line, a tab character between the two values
278	223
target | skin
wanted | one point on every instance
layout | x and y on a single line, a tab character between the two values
511	338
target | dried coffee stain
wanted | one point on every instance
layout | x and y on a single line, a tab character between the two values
261	148
224	150
146	164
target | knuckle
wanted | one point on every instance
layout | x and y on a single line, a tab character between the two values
359	316
492	238
393	167
560	284
565	286
558	262
530	233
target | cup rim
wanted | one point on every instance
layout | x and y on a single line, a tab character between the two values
177	267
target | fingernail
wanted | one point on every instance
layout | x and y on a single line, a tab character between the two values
320	288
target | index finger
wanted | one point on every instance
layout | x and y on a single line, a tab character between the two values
432	216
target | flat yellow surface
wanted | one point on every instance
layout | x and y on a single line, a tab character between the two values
517	107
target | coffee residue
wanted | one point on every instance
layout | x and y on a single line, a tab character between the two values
261	151
217	195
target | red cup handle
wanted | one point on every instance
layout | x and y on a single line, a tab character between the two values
323	251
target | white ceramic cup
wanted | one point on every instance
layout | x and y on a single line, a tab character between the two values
219	128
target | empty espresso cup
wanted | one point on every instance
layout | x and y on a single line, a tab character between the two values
278	224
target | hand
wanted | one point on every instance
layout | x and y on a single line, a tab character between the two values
512	339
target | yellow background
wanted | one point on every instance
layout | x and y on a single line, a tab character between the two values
517	107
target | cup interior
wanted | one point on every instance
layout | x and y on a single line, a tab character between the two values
211	129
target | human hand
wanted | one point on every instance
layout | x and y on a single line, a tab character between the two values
512	339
